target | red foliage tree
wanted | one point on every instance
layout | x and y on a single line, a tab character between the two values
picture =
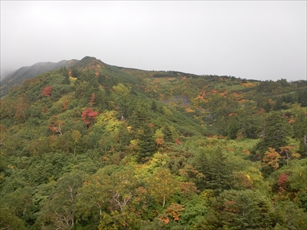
47	91
89	116
283	178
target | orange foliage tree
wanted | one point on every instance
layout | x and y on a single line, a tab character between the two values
271	158
172	212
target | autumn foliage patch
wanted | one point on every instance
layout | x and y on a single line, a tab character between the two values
89	116
47	92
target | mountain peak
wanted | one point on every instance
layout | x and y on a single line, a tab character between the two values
88	62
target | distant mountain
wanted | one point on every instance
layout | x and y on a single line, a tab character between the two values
5	73
27	72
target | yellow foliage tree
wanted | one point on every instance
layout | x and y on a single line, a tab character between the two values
159	137
162	185
76	135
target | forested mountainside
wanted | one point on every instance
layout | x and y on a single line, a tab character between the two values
28	72
95	146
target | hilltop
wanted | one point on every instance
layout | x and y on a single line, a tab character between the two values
95	146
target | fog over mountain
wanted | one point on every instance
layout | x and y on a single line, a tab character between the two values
247	39
27	72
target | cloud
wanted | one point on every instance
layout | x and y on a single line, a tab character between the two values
253	40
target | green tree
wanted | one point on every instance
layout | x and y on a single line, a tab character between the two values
8	219
243	209
290	216
218	177
301	97
102	101
59	210
94	195
250	125
168	136
278	104
300	132
139	117
21	107
194	211
107	196
215	170
233	128
275	133
76	135
147	144
154	106
64	72
20	207
267	107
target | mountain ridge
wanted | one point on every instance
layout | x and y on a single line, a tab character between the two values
27	72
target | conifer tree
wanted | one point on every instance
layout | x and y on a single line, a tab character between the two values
215	170
154	106
139	117
275	133
64	72
232	128
243	209
219	173
267	107
147	144
168	136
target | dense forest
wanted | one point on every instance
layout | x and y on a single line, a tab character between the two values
95	146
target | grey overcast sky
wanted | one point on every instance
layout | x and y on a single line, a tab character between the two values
263	40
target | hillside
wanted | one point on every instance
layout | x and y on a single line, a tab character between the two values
96	146
28	72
